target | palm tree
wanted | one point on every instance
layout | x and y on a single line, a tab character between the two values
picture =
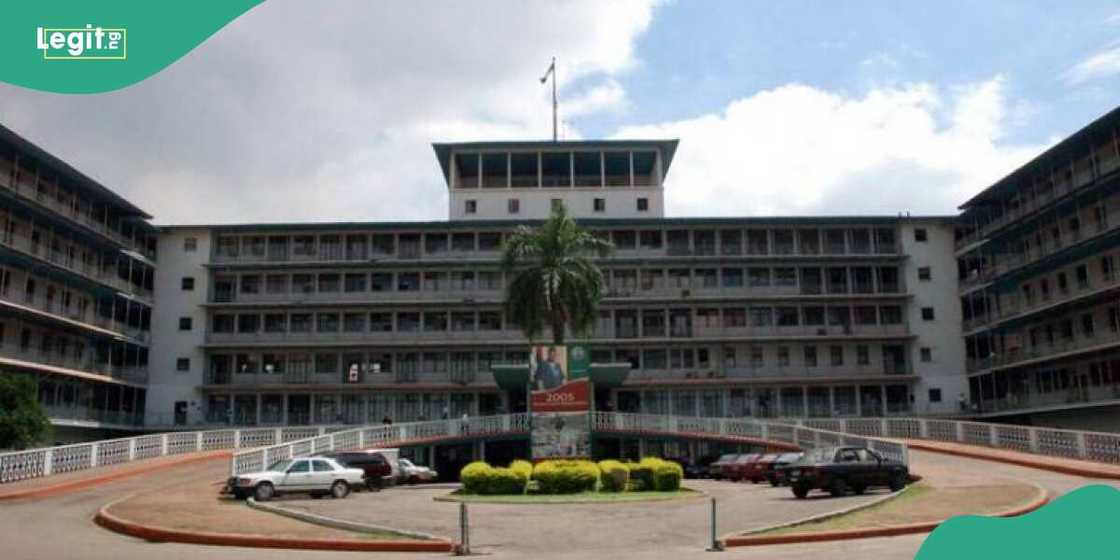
555	282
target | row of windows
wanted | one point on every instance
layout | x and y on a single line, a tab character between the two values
892	357
705	241
513	205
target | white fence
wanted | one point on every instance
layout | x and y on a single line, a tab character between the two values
34	463
379	436
804	437
1102	447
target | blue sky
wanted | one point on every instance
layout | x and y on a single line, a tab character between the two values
782	107
698	56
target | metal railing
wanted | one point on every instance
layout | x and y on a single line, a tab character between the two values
35	463
805	437
1101	447
379	436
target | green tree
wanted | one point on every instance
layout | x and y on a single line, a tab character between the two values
23	422
555	282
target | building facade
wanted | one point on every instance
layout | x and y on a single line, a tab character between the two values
77	267
768	317
1037	257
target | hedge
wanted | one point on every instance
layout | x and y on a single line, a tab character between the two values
566	477
481	478
615	476
652	473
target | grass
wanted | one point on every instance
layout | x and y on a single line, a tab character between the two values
580	498
922	503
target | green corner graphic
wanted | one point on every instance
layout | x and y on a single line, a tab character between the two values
1076	525
93	47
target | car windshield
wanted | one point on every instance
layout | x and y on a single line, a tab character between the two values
405	463
726	458
819	455
280	466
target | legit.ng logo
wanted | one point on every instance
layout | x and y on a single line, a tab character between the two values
82	43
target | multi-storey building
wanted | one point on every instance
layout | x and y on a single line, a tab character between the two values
77	268
1037	255
354	322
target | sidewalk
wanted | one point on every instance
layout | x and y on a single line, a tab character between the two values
80	480
1063	465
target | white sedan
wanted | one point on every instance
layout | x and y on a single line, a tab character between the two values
413	473
315	475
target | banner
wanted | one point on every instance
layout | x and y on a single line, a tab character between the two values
560	402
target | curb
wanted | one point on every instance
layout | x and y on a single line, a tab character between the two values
82	484
334	523
1087	472
161	534
914	478
873	532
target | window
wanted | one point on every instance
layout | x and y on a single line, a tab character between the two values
837	355
643	204
924	274
810	356
935	395
185	323
920	235
863	355
926	355
513	206
190	244
470	206
183	364
187	283
927	313
600	205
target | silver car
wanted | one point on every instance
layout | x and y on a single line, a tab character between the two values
318	476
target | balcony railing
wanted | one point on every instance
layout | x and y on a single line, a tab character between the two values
30	193
72	312
400	337
1018	356
1072	396
90	271
87	363
1095	286
484	294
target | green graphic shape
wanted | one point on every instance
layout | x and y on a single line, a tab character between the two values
578	361
1077	525
138	39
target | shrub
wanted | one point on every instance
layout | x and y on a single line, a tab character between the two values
641	475
523	470
615	476
481	478
667	476
566	477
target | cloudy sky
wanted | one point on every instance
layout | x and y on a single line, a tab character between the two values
302	111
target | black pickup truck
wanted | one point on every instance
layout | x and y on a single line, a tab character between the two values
840	469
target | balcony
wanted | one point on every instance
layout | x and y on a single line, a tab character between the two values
343	338
408	252
1056	399
39	250
344	298
834	331
1098	285
414	375
88	319
1042	352
85	364
28	192
84	415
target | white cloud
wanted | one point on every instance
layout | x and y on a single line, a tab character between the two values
294	112
1098	65
797	149
1114	19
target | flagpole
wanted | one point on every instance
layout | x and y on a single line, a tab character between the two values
554	99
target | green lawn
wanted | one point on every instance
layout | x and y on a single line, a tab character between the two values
581	498
876	515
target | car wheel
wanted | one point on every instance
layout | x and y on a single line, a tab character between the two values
800	492
372	485
838	488
859	489
340	489
898	482
264	492
774	483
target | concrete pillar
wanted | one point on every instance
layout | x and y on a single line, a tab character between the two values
284	407
259	404
481	450
832	401
804	401
859	401
882	400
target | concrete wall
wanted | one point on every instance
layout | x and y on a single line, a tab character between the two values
166	384
943	334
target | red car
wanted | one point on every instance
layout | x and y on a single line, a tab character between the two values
761	468
740	466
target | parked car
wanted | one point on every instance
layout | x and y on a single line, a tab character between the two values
840	469
716	469
318	476
740	468
413	473
775	474
700	468
756	470
378	470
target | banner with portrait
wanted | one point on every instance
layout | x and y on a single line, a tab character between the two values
559	402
